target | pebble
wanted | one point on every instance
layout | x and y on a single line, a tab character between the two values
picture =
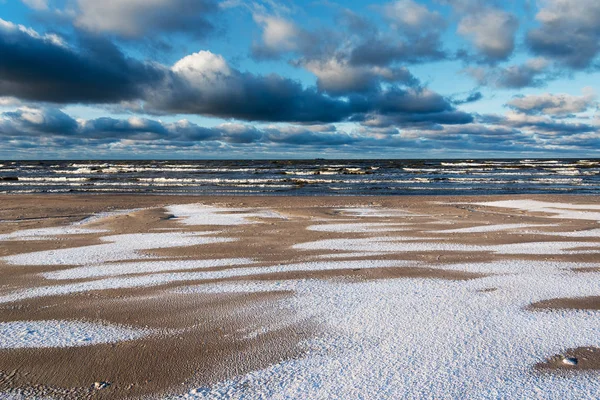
101	385
569	360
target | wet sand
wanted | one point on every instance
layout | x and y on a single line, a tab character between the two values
203	338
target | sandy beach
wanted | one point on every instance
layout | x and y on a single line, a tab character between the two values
124	296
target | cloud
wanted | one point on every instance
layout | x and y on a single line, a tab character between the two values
43	68
568	33
533	73
27	128
492	32
203	83
383	51
279	36
539	124
298	135
39	5
554	104
136	18
412	18
337	77
37	122
472	97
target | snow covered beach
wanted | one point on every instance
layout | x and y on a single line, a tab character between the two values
358	297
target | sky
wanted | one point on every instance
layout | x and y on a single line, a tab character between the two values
235	79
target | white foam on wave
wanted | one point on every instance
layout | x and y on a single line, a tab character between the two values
199	214
95	271
559	210
57	333
427	338
358	227
166	278
119	247
402	245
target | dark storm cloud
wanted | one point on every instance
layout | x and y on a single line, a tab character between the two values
42	68
203	83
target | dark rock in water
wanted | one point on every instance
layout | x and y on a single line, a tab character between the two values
9	178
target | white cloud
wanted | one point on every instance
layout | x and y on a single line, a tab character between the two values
491	31
555	104
202	69
409	16
36	4
278	34
134	18
338	76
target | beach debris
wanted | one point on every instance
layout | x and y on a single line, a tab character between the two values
569	361
99	385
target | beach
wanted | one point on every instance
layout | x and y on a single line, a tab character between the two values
148	296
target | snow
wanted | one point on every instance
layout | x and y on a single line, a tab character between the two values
592	233
48	233
57	333
358	227
162	279
199	214
374	212
490	228
95	271
401	245
119	247
559	210
427	338
72	229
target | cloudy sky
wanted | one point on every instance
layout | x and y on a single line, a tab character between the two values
299	79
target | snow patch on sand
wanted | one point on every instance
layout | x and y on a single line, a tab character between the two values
95	271
48	233
56	333
591	233
199	214
559	210
399	245
490	228
166	278
120	247
238	287
427	338
373	212
364	227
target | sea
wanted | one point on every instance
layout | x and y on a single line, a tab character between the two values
304	177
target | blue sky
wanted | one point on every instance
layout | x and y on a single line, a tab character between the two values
286	79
